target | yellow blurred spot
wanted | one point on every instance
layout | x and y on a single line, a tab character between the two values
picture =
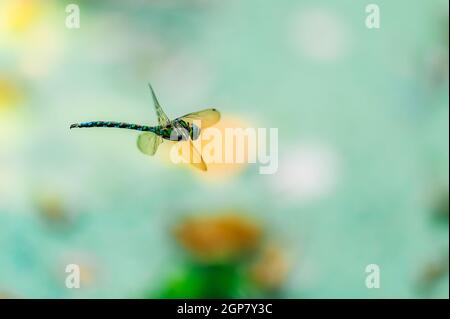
222	237
270	270
11	121
20	15
9	94
87	275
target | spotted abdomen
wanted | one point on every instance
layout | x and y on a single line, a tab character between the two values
114	125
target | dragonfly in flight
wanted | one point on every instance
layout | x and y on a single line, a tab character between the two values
181	129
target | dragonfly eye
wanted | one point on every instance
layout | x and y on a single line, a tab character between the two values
195	132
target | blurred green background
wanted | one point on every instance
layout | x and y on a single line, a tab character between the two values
363	149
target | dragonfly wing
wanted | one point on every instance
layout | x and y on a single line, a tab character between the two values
195	157
148	143
163	119
207	117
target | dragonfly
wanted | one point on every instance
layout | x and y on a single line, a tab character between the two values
182	129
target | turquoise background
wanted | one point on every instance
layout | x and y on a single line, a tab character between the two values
368	97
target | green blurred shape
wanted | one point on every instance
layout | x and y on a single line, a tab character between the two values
205	281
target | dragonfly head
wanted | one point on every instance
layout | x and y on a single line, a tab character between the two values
194	132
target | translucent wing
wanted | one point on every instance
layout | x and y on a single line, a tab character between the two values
148	143
195	157
207	117
163	120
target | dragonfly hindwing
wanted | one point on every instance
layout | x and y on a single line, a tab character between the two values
148	143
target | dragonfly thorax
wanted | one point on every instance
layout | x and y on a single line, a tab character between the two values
194	132
171	133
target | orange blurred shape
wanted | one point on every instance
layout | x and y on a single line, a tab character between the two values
217	238
221	169
51	207
7	295
433	272
89	270
215	137
271	268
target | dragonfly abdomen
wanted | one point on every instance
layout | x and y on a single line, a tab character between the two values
166	132
114	125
